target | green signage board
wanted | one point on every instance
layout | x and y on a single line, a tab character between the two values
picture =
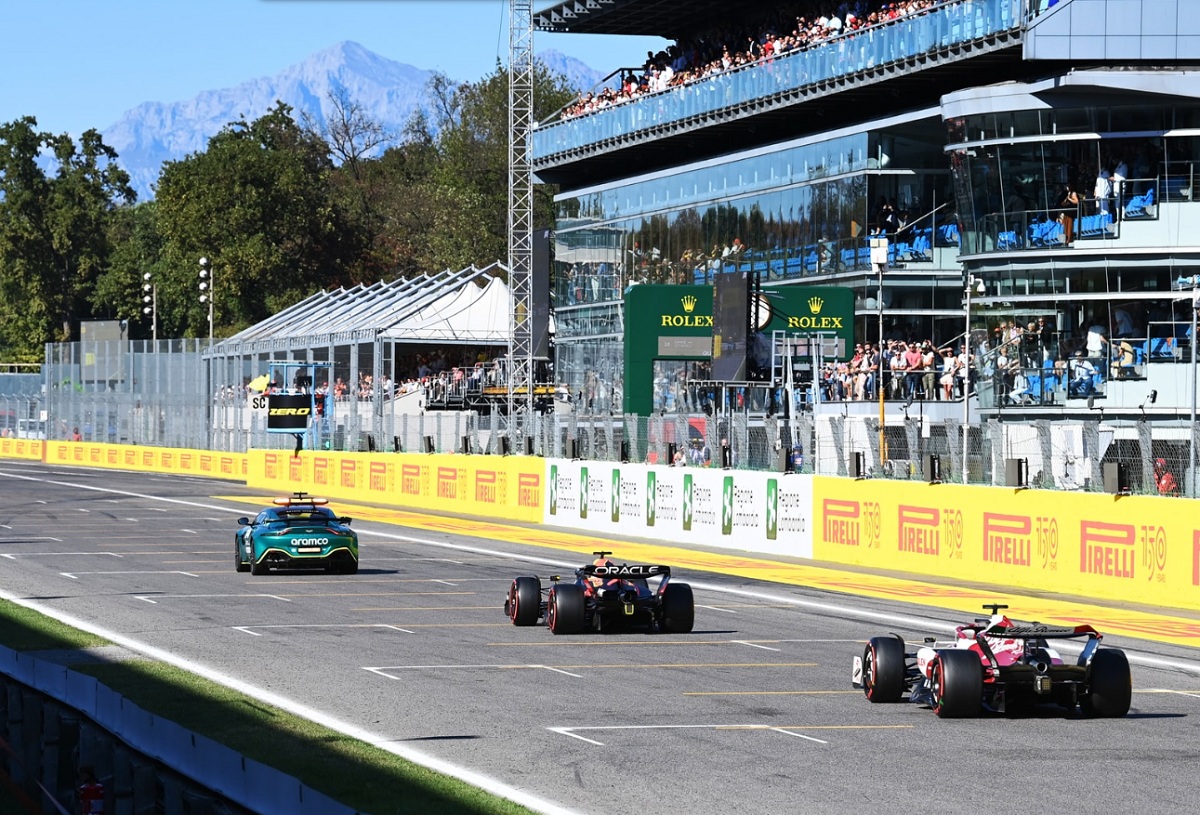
676	322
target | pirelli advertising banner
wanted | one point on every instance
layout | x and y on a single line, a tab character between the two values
174	460
30	449
1124	548
749	511
505	488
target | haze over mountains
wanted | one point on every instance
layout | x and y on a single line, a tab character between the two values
388	91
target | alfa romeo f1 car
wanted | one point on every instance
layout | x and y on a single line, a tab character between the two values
298	532
997	665
604	597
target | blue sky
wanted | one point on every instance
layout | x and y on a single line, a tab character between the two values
76	64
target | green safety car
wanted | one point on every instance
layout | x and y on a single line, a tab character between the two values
296	532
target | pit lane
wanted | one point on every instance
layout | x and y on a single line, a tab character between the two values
753	710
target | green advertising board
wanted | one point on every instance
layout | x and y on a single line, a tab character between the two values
676	322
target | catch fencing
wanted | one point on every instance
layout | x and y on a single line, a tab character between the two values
172	393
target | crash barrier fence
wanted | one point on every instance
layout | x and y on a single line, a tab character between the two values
22	416
1088	455
54	722
1117	456
161	394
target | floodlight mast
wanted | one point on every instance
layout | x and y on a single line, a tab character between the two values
520	216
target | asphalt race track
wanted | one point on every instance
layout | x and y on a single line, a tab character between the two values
752	712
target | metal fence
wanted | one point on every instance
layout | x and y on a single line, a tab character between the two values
163	394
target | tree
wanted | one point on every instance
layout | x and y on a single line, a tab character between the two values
53	232
137	251
472	146
257	203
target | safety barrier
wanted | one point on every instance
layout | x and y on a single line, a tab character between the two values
500	487
1127	548
147	459
30	449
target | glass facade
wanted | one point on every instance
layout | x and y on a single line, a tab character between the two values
943	27
801	212
1015	172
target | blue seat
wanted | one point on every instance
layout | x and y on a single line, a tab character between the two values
1162	348
1138	205
947	235
920	249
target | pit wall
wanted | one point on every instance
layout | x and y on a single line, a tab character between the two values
737	509
1126	548
499	487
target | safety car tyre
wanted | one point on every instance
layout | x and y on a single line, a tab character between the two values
883	669
238	563
524	599
678	608
1110	685
258	568
957	680
351	567
565	613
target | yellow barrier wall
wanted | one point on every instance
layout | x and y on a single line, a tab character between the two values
31	449
148	459
1126	548
505	488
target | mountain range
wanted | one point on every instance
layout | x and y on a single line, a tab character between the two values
387	91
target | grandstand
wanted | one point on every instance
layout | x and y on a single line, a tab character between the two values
965	119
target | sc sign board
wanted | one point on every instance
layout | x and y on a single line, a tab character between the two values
288	412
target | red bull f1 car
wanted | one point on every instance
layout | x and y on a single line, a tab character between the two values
297	532
996	665
603	597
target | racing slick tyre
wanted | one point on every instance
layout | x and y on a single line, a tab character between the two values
1110	685
678	609
565	612
237	560
258	568
957	684
883	669
524	599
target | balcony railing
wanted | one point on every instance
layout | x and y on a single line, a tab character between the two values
944	27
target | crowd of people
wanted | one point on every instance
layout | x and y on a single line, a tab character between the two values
904	369
783	31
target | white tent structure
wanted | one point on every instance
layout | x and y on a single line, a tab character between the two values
467	307
471	315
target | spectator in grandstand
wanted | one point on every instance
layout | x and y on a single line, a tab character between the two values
1096	340
929	371
949	371
1082	374
1102	190
1119	174
763	38
1069	202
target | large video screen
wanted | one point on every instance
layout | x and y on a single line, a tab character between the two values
731	325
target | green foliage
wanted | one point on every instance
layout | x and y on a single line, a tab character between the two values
54	240
281	211
257	203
